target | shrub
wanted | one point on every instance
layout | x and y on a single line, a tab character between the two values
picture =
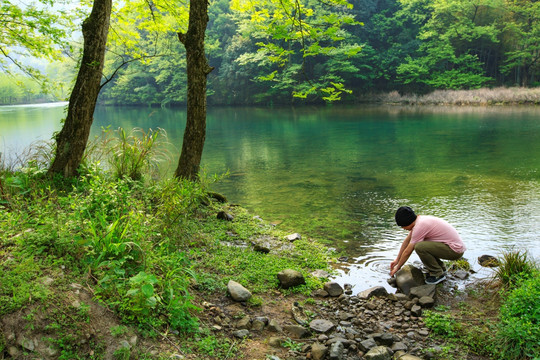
519	328
440	323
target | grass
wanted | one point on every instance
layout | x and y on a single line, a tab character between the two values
514	266
499	320
143	248
483	96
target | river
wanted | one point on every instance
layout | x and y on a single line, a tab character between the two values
338	173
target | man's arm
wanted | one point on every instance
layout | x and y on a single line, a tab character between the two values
403	255
402	259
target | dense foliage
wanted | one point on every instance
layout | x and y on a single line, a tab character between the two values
282	52
264	55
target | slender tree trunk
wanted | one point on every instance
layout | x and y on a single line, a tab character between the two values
197	72
71	140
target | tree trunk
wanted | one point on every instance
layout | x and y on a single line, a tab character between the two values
71	140
197	72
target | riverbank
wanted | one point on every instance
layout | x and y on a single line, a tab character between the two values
475	97
117	269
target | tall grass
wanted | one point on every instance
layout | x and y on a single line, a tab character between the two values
515	265
485	96
137	152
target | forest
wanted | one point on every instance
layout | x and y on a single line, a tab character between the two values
282	53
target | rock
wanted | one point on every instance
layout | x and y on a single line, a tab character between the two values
408	357
47	281
379	353
238	292
321	326
383	339
275	341
345	315
289	278
14	352
318	351
293	237
337	351
222	215
244	323
274	326
488	261
426	301
461	274
241	333
27	344
257	325
297	331
392	282
416	310
273	357
399	346
374	291
320	293
320	274
218	197
367	344
340	339
298	313
408	277
124	344
423	290
333	288
261	247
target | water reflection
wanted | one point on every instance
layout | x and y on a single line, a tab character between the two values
338	173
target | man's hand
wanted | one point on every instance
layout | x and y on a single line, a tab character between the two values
393	268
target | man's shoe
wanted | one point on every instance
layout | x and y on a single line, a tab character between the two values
435	279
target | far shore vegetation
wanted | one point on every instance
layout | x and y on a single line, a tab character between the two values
152	250
475	97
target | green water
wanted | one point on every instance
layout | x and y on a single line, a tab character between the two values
338	173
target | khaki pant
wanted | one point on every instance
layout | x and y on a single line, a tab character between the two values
431	253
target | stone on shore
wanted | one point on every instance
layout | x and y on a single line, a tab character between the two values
408	277
423	290
321	326
238	292
318	351
293	237
289	278
379	353
371	292
333	288
488	261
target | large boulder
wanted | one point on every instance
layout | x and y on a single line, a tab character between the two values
289	278
408	277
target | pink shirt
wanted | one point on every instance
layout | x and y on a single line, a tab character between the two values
431	228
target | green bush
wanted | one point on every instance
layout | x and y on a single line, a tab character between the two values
439	322
519	328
